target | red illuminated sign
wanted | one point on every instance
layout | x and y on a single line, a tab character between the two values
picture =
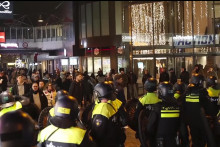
2	37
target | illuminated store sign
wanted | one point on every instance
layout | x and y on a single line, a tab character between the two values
197	40
8	45
6	10
2	37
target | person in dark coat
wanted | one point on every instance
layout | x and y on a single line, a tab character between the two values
118	80
76	88
87	88
67	82
164	76
3	82
145	76
58	82
184	76
20	88
173	78
37	96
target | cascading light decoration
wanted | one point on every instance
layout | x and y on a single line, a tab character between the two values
145	21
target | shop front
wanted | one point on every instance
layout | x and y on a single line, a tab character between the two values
173	35
102	58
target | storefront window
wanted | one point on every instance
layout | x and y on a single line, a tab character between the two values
97	64
64	64
106	64
120	64
90	65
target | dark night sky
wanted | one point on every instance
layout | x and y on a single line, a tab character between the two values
29	11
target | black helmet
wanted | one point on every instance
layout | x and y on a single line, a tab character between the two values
66	112
6	99
165	91
17	128
211	81
150	85
104	90
60	94
197	79
179	87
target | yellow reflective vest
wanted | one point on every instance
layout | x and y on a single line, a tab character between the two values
149	98
72	135
213	92
14	107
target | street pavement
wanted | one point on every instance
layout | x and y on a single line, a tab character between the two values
131	141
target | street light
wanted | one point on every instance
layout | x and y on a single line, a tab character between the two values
40	19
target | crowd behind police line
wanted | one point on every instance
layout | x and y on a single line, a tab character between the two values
173	110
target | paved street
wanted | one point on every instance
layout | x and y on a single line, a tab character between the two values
131	141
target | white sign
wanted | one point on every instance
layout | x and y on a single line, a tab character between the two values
196	40
6	10
9	45
73	61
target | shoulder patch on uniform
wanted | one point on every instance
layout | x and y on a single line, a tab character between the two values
98	122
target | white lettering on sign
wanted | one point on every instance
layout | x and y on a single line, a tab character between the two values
196	40
8	45
5	7
2	37
5	4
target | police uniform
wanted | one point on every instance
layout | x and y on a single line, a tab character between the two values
165	121
17	105
106	128
108	118
146	102
168	124
71	137
197	99
8	103
214	98
63	130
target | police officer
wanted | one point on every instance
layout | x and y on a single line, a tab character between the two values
8	103
213	92
17	128
195	103
167	117
147	101
179	93
60	94
108	118
63	130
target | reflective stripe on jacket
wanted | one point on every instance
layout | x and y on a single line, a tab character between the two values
192	98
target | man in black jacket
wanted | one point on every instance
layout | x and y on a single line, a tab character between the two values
3	82
184	76
173	78
21	87
76	88
164	76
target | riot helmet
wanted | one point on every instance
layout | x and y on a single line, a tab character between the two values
6	99
60	94
66	112
211	81
197	79
150	85
104	90
179	87
17	128
165	91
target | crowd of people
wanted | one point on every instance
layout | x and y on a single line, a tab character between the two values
164	116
